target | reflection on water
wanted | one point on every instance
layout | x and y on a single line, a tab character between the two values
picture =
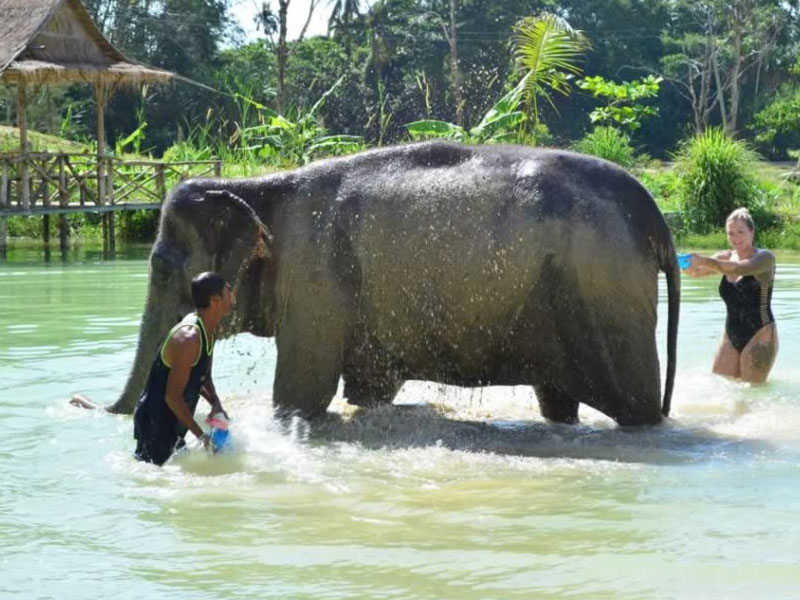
454	493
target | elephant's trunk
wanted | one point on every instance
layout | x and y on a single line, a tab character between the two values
163	309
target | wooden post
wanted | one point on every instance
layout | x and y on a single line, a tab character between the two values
4	176
218	168
63	234
22	123
63	200
160	187
104	228
3	203
63	194
46	230
112	234
100	103
3	236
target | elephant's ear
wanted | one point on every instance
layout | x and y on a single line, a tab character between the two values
233	235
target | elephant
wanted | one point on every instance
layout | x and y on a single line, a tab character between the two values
465	265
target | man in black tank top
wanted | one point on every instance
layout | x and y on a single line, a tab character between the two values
181	373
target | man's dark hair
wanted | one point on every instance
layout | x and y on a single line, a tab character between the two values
204	286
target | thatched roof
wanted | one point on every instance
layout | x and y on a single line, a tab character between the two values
56	41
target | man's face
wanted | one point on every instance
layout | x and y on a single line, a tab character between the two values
226	300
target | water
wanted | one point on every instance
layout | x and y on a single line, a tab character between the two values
454	494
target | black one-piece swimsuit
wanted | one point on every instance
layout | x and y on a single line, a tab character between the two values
749	308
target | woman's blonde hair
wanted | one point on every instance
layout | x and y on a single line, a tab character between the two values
742	214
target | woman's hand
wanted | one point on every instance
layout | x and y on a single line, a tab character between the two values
700	266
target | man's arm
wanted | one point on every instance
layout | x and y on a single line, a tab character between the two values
181	353
209	392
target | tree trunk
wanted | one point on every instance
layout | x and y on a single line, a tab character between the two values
282	54
720	90
454	68
741	17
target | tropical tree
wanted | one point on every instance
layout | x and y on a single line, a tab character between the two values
623	107
343	14
546	49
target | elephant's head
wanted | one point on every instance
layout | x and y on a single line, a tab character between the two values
203	228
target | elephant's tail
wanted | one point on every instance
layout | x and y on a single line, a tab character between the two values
670	267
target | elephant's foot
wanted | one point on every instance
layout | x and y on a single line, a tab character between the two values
369	394
556	406
632	415
304	385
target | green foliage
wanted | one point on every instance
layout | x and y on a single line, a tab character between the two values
608	143
135	225
500	124
282	141
623	100
777	127
546	50
717	175
664	185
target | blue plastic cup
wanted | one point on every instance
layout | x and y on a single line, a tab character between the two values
220	439
219	434
684	261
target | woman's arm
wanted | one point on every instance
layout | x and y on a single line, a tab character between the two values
762	263
698	270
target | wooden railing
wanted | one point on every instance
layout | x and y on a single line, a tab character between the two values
47	183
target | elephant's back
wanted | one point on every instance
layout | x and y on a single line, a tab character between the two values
449	254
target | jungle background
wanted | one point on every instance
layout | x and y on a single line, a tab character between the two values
699	98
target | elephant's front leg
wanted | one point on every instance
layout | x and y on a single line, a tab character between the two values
310	339
371	377
556	405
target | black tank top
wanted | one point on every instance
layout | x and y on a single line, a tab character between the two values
153	409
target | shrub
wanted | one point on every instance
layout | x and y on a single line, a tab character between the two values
777	127
664	187
608	143
717	175
138	225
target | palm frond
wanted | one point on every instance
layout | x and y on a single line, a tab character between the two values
546	49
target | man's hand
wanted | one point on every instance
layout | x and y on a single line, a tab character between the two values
216	407
83	402
206	440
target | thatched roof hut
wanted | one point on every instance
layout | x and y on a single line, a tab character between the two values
56	41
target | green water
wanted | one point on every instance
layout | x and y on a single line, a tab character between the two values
417	501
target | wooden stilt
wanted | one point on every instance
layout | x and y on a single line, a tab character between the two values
104	227
63	234
112	236
3	237
46	230
22	123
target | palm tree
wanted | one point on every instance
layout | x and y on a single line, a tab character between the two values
546	49
342	16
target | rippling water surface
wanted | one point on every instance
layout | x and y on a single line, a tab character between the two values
453	494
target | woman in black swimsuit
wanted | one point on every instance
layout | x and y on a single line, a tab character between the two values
750	341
